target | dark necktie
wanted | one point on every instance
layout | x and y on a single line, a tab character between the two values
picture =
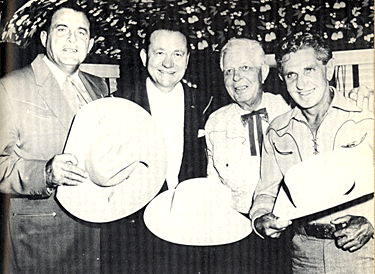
249	119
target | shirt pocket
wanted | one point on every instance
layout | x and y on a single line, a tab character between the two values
355	135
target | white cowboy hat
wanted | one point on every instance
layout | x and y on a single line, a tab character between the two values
118	143
197	212
324	181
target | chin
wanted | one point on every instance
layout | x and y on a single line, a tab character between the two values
70	62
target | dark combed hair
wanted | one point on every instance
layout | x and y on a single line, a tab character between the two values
298	41
169	23
68	5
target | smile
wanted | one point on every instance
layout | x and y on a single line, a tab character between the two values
166	72
306	92
240	88
71	50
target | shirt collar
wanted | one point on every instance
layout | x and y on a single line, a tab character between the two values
58	73
338	101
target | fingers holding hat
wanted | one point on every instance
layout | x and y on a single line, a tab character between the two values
363	97
62	170
119	145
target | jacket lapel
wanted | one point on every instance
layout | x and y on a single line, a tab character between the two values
92	88
50	91
141	97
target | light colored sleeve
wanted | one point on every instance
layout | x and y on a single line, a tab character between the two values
17	174
365	208
211	171
268	185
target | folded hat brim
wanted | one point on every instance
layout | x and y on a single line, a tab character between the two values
325	181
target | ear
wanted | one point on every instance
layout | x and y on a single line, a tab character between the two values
43	38
330	66
265	69
187	60
91	44
143	56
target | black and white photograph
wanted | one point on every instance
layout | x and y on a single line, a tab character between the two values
187	136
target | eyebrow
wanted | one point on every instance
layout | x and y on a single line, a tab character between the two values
164	49
64	25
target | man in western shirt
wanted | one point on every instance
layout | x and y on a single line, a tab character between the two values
338	240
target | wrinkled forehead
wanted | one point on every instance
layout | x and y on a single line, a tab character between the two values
242	54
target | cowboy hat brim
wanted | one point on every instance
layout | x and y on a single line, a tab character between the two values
121	118
198	213
325	181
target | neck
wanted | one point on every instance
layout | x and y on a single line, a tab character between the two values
69	70
316	115
252	105
165	90
161	88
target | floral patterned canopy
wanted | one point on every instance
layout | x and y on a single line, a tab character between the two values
120	24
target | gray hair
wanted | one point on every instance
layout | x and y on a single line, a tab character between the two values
253	45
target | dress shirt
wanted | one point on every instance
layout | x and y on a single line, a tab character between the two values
289	140
61	78
228	148
168	111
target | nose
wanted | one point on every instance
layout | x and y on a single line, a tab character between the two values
72	37
301	82
237	75
168	61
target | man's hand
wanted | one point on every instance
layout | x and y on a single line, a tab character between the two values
356	231
62	170
363	97
270	225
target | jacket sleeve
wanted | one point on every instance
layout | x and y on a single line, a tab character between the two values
17	175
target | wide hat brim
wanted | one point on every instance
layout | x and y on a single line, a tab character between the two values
197	213
122	119
325	181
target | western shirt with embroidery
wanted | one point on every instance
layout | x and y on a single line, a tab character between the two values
289	140
228	148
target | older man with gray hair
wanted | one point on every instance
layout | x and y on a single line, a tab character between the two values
234	133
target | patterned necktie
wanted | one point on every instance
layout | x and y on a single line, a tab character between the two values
76	97
249	119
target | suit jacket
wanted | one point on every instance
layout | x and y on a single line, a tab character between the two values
128	242
194	161
35	121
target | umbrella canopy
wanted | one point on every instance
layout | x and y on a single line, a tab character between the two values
121	24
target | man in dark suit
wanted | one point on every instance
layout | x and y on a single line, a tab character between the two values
37	106
176	107
178	111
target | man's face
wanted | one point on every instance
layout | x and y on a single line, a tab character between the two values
243	76
68	40
167	58
307	78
